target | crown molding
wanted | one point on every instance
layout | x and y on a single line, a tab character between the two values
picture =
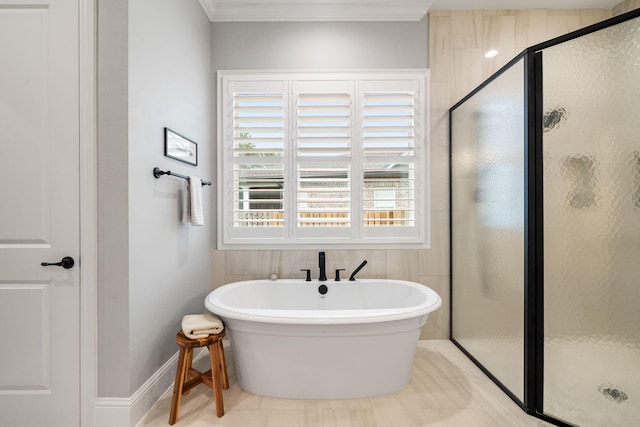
314	10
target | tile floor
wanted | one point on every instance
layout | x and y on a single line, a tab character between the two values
446	389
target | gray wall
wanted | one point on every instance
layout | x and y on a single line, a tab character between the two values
113	203
164	268
320	45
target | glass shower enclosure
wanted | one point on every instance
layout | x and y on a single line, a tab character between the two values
545	226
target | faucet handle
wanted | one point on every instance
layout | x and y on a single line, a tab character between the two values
338	270
308	279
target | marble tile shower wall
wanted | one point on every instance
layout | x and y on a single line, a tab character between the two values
457	42
626	6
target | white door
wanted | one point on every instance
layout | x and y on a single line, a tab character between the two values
39	213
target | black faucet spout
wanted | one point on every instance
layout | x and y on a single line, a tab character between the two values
323	270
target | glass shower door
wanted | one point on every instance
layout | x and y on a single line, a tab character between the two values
487	214
591	173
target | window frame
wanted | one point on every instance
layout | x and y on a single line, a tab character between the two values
357	236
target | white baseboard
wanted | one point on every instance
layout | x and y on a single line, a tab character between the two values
127	412
112	411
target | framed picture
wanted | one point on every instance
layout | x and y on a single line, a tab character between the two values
180	148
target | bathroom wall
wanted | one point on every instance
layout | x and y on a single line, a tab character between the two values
169	85
626	6
458	40
319	45
339	45
113	203
154	70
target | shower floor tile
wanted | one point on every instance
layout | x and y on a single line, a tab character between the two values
446	389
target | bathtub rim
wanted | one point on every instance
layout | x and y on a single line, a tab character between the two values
321	317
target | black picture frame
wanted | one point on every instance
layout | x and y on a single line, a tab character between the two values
180	148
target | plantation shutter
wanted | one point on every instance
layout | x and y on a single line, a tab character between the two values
391	141
257	135
324	122
388	123
322	159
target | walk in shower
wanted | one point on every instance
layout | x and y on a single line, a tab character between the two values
545	226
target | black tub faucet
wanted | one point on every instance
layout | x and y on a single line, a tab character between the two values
323	270
353	275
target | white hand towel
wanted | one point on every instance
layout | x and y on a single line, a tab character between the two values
201	325
195	199
186	204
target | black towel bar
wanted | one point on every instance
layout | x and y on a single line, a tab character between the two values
157	172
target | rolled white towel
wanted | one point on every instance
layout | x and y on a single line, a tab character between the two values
201	325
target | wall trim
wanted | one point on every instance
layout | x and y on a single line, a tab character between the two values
88	164
314	10
129	411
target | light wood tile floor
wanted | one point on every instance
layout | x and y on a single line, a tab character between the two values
446	389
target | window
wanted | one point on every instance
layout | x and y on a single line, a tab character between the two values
318	160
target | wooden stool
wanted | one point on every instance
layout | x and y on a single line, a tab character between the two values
215	378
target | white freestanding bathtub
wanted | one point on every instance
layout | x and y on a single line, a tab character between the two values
290	341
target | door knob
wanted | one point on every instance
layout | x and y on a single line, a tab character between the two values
67	262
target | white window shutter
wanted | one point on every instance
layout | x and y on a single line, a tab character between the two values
391	142
255	149
322	159
324	122
388	123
